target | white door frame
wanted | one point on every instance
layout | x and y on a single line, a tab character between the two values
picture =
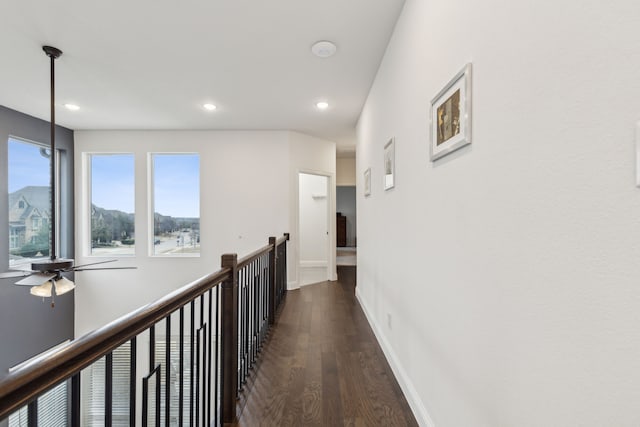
331	226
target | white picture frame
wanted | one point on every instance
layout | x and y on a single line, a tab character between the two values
389	167
367	182
638	154
450	116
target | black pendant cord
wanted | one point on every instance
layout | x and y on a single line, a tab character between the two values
53	53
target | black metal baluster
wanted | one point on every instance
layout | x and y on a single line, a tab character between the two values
75	400
197	389
209	358
203	366
256	303
167	370
241	326
248	316
152	346
204	373
157	371
158	395
108	389
252	314
181	391
245	321
132	383
32	413
217	350
192	331
152	362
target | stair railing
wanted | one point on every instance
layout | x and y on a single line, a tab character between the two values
196	344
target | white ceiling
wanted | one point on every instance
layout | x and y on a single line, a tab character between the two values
151	64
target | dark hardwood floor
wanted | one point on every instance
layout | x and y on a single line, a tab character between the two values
322	366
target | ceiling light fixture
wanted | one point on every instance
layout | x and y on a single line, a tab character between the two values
322	105
324	49
209	107
72	107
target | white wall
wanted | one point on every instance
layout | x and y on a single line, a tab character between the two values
510	269
346	171
245	197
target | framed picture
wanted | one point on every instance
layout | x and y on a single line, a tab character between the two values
367	182
451	115
389	164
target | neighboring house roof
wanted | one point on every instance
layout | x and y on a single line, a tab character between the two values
36	196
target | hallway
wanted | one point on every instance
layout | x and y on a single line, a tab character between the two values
322	366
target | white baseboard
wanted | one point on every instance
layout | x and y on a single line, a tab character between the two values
417	407
292	285
312	263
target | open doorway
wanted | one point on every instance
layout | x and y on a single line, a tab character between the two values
314	228
346	225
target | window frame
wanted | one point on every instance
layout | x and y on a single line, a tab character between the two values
151	198
58	203
87	200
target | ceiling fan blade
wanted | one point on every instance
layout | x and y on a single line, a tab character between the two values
104	268
10	274
36	279
92	263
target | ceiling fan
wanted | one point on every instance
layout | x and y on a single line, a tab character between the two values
45	276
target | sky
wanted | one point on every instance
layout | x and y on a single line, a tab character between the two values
176	179
27	166
113	182
177	184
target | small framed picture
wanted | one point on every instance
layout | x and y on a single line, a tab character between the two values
389	164
638	154
367	182
451	115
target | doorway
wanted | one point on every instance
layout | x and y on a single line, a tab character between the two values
314	228
346	225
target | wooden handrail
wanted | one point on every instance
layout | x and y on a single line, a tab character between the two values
44	372
282	239
244	261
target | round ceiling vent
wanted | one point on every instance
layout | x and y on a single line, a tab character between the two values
323	49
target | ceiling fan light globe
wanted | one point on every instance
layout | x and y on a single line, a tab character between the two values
43	290
64	285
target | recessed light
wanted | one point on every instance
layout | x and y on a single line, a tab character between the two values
324	49
209	107
72	107
322	105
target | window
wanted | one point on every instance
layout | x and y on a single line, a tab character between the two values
176	204
94	388
52	409
29	201
112	204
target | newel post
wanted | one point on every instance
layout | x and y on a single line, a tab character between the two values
229	339
272	279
